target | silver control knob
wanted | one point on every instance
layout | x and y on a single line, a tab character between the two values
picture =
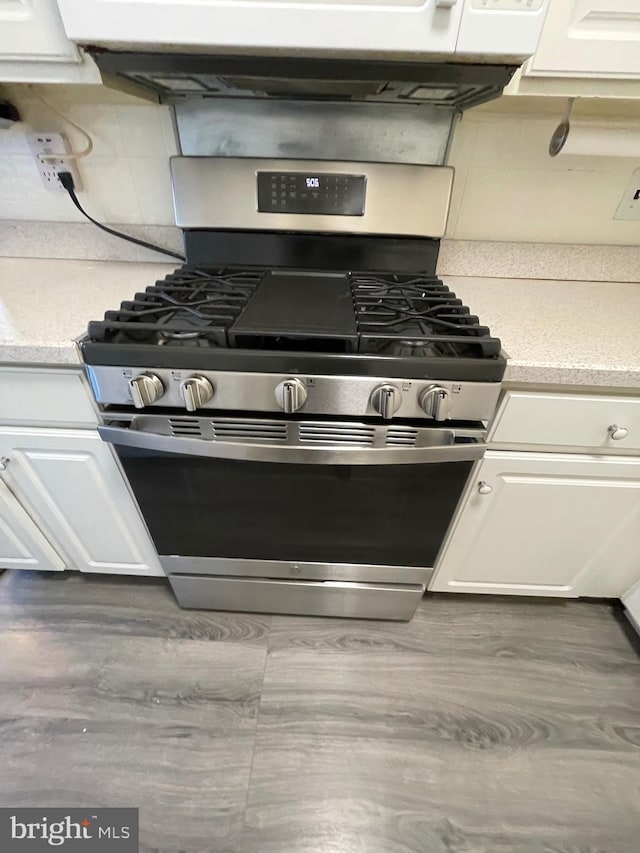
291	395
484	488
196	392
617	432
386	400
145	390
4	461
434	401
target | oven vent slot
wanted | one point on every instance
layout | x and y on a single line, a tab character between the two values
185	427
352	434
401	437
249	430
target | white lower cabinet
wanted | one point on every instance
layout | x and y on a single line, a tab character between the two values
631	601
22	545
546	524
68	482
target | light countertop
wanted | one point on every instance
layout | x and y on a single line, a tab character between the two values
46	304
554	332
560	332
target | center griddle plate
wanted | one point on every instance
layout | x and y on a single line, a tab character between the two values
298	305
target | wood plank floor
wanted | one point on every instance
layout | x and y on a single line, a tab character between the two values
483	726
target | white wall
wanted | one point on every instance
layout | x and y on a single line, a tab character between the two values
507	188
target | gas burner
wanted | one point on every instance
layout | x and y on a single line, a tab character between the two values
409	348
187	304
418	317
181	336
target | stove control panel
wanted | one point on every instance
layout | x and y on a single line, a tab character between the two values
309	192
327	395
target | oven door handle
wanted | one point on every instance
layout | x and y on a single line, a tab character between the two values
257	452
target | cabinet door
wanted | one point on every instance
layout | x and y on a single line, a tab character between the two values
590	38
32	30
22	545
398	25
72	483
631	601
545	524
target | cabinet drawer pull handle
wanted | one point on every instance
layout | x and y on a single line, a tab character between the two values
617	432
484	488
4	461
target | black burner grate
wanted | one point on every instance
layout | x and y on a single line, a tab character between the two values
401	316
187	308
416	315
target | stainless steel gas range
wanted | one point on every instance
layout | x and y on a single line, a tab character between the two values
298	409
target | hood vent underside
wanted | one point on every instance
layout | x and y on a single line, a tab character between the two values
171	76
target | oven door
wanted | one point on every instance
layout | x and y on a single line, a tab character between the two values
275	516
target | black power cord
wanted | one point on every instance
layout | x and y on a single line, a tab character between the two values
66	179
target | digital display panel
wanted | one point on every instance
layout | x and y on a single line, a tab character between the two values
297	192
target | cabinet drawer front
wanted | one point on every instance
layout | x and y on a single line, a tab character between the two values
569	420
48	397
261	595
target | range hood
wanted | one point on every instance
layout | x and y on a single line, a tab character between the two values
174	76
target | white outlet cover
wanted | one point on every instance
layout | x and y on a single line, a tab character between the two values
629	207
53	144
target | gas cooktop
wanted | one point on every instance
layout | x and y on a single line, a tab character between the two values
402	324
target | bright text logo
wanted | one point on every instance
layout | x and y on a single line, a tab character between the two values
70	830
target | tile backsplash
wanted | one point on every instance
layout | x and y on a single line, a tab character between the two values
125	178
507	188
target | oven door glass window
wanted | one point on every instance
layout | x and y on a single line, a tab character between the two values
373	514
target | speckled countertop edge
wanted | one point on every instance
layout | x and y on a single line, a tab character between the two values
517	373
53	355
571	333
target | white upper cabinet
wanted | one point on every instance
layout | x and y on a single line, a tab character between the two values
444	28
589	38
34	47
32	30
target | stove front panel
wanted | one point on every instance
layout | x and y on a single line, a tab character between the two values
336	396
326	521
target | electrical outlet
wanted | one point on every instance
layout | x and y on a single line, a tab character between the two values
50	150
629	207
